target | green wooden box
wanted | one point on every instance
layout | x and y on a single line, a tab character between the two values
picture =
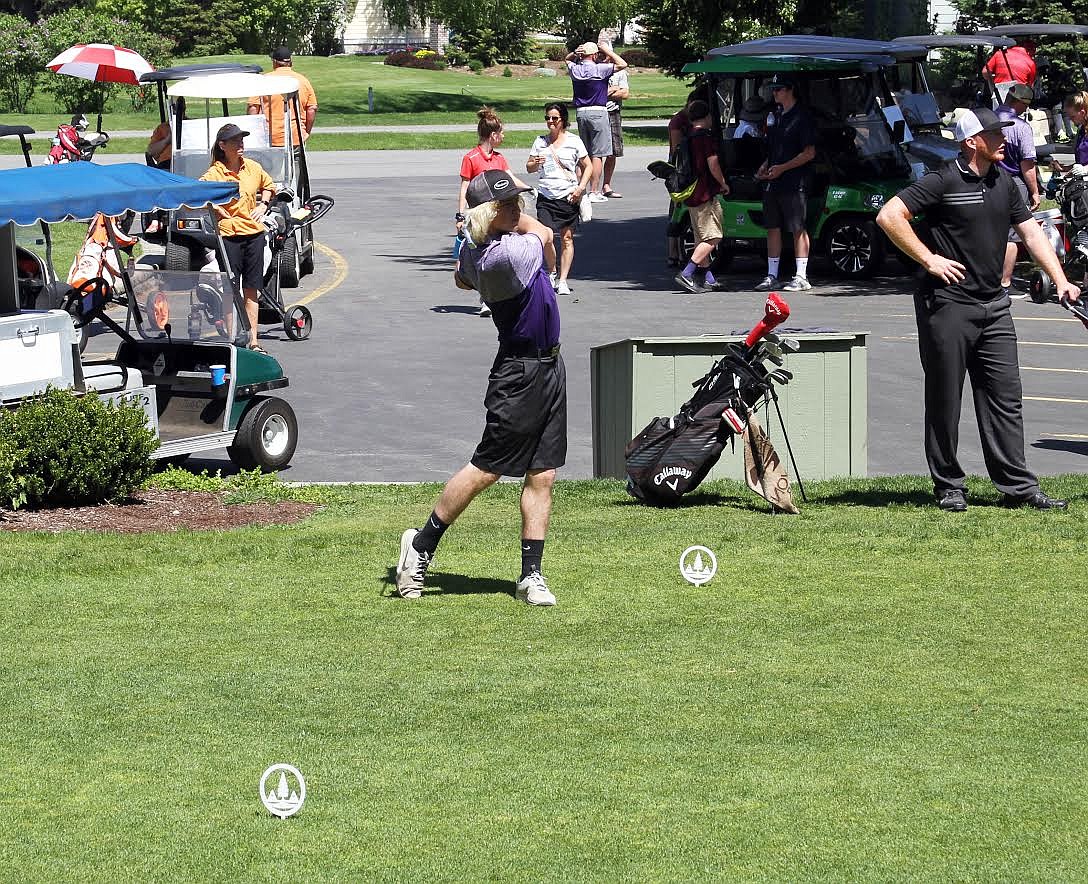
824	407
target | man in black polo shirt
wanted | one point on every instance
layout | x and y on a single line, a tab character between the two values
964	321
791	147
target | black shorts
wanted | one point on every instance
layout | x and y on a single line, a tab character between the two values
526	427
246	257
784	210
556	215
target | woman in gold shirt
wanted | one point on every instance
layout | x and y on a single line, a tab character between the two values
240	221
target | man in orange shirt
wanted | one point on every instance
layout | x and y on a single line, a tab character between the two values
272	105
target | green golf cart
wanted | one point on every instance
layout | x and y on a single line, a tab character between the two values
859	159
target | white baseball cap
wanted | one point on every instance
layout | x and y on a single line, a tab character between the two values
980	119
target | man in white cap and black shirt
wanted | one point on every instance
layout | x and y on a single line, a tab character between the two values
589	82
506	258
964	321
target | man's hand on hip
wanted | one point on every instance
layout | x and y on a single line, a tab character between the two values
945	269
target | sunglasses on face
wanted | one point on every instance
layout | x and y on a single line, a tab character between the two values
510	203
553	119
778	88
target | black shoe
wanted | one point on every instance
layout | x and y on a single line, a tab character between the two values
688	284
953	501
1037	501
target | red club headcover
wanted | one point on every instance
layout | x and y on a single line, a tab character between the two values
775	313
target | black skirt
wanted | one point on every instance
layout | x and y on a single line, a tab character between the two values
556	215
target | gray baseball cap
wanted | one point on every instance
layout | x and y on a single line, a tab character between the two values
494	184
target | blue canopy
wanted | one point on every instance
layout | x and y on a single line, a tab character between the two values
80	190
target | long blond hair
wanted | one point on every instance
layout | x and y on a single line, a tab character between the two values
478	220
1076	101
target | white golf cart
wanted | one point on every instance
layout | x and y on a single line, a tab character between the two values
181	353
188	238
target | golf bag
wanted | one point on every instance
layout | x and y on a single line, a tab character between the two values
672	455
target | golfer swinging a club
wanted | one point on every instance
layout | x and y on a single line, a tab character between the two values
506	258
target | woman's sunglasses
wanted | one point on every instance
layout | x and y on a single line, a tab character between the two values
553	119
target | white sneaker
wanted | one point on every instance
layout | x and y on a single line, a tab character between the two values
797	284
597	197
533	590
411	567
561	287
553	278
484	310
769	282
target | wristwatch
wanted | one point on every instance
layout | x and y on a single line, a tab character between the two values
460	216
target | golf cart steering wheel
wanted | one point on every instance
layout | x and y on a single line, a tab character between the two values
94	292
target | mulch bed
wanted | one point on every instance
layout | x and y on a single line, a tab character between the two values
159	510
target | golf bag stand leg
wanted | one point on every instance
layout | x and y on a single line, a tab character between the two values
789	448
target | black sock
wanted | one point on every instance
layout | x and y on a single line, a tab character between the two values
532	551
426	541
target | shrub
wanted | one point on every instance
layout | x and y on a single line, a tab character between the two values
555	51
504	42
66	450
506	72
404	59
475	65
23	55
639	57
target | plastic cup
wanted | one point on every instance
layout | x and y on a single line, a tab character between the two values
219	375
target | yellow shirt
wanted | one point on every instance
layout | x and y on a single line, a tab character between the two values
251	178
273	107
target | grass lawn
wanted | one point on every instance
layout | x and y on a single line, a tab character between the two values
871	690
402	96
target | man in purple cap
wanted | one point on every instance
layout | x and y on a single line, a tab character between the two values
506	258
964	321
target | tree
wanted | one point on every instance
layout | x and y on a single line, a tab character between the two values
65	29
679	31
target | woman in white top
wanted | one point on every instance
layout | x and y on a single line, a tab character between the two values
562	161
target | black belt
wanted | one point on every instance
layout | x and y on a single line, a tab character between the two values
527	351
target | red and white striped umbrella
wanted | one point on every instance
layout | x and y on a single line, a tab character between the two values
101	63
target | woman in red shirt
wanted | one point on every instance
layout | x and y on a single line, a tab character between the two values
485	155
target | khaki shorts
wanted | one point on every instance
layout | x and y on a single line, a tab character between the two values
706	220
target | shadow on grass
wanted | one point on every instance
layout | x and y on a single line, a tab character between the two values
706	498
439	583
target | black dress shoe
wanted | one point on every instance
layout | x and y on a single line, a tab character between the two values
953	501
1037	501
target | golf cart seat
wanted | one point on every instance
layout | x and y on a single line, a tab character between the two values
192	158
740	158
110	377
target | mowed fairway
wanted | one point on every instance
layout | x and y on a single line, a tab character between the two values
871	690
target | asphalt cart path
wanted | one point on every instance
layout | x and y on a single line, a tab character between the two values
390	385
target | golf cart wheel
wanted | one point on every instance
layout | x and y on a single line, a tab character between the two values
266	437
298	323
306	264
288	264
181	256
1041	287
855	246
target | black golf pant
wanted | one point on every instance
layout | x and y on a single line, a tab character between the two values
979	340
